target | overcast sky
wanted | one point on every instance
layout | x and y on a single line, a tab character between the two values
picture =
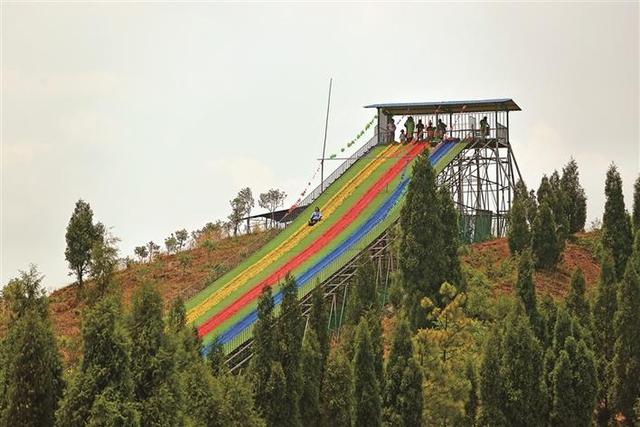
157	113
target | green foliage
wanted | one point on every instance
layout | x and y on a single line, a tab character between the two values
104	259
184	259
290	332
636	206
526	291
104	370
626	358
576	301
576	200
491	384
471	407
444	351
264	348
141	252
616	230
216	358
363	292
80	236
312	366
181	239
575	385
272	200
429	235
336	393
366	390
559	207
153	369
278	409
31	373
521	367
171	243
604	310
402	399
450	239
319	321
545	242
519	235
238	408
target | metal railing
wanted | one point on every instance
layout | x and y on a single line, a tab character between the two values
338	172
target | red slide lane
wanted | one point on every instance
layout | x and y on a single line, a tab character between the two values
318	244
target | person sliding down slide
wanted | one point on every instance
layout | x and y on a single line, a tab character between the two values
316	216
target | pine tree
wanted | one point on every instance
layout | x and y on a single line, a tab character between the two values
104	371
336	395
278	409
545	241
377	345
33	373
604	310
576	301
521	369
576	205
471	407
575	385
265	348
636	205
319	321
216	358
519	235
626	358
545	192
421	259
549	312
558	204
156	387
365	384
238	408
526	291
290	331
312	377
81	235
402	400
491	384
616	232
451	240
363	294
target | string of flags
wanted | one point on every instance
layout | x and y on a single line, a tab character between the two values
357	137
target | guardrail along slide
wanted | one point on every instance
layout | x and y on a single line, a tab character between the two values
356	208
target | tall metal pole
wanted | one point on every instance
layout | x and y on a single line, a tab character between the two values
324	144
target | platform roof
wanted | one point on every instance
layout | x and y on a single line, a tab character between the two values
441	107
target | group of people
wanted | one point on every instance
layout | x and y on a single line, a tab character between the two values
417	132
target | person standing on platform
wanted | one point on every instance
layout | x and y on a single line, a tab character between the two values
484	127
409	126
431	131
442	128
391	131
420	130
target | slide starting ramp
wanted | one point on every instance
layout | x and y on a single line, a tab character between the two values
356	208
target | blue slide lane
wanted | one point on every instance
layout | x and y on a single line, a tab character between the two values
375	218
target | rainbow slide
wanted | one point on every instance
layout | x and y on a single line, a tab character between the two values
356	208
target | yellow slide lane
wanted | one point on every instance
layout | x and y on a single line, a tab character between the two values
331	205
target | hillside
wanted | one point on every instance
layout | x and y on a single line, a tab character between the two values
172	280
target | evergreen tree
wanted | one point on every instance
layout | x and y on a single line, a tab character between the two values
377	345
616	232
576	301
312	377
216	358
545	192
402	400
471	407
156	387
521	369
278	409
545	241
104	377
264	347
604	310
528	199
491	384
562	330
574	385
290	331
576	206
421	259
636	205
81	236
451	240
519	235
626	358
336	393
559	207
526	291
549	312
363	293
319	321
32	373
238	408
365	384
